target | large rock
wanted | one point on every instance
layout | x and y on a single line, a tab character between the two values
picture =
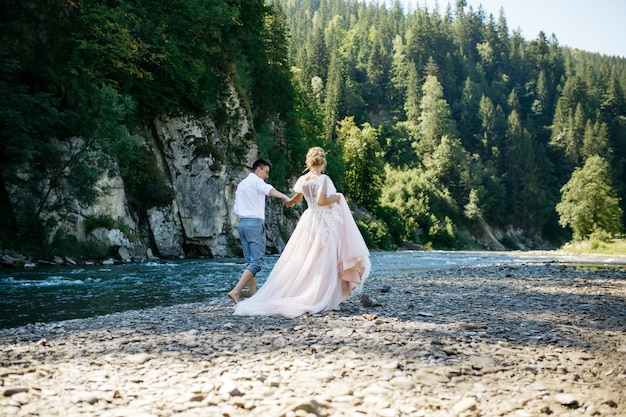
167	231
201	219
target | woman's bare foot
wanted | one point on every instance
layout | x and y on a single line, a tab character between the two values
233	297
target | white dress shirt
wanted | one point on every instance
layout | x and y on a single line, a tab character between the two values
250	197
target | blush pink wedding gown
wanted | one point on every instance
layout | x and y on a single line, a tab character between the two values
325	260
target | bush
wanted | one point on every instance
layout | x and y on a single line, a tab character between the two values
67	245
599	239
146	185
96	222
441	233
376	233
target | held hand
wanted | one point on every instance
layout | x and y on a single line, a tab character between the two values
295	199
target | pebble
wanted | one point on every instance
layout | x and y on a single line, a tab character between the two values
523	340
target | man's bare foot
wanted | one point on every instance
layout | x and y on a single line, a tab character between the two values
233	297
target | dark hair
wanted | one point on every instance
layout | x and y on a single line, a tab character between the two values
260	163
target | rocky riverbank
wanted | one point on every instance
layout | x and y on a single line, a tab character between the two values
525	340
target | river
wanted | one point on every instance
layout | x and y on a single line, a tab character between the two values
54	293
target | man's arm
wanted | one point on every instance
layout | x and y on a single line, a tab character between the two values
277	194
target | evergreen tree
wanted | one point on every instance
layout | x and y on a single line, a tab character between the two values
596	141
318	58
435	119
469	122
413	95
399	76
449	168
492	128
335	88
377	72
412	78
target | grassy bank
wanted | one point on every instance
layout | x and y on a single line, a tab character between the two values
594	246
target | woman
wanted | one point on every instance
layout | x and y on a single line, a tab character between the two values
325	260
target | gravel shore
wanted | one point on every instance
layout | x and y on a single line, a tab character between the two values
523	340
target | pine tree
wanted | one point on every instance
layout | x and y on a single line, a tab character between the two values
469	123
335	88
435	117
413	95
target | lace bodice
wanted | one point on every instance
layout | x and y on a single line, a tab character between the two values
328	219
312	188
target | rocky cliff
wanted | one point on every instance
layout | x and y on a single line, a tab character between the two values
203	163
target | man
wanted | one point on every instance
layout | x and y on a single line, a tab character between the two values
250	211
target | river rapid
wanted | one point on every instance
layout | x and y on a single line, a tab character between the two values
54	293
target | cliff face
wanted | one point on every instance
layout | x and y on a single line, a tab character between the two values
200	221
203	163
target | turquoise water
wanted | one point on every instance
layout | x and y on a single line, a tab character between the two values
53	293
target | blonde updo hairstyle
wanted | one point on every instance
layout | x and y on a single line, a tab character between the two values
316	157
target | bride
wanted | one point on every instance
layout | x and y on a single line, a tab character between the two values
325	260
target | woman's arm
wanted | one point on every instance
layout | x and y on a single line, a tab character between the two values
322	200
295	199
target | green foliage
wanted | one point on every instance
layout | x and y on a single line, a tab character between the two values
435	120
145	183
376	234
276	152
449	165
107	222
364	174
441	232
423	209
589	204
78	78
599	238
394	225
527	168
208	149
130	234
63	244
472	210
54	171
396	143
609	247
170	58
95	222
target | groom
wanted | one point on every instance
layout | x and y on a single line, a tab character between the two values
250	211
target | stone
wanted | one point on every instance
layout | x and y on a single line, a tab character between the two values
139	358
124	254
481	362
566	399
464	405
369	301
7	392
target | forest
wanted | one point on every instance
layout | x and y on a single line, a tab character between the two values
440	124
448	121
